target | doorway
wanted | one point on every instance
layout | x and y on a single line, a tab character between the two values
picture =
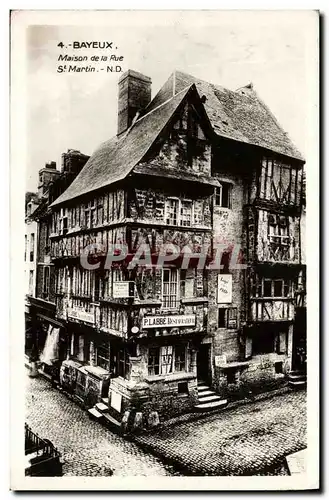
203	363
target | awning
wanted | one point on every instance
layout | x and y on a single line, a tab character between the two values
51	320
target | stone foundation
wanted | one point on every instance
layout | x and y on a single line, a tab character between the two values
156	398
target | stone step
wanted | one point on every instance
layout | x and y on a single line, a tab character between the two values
212	405
205	399
297	383
105	401
201	382
112	422
297	376
94	413
101	407
207	392
203	388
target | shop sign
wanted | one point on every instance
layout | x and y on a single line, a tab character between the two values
123	289
224	295
168	321
220	360
80	315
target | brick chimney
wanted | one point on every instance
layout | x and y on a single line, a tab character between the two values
134	95
47	175
73	161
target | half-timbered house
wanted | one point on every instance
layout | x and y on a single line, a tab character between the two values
197	167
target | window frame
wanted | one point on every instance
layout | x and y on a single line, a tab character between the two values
46	281
156	364
219	196
63	221
32	244
258	288
167	304
277	233
179	207
229	314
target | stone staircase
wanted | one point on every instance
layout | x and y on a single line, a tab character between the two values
297	379
100	411
208	399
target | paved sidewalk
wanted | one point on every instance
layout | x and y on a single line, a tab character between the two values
250	439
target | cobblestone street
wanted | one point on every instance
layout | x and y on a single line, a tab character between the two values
88	448
253	438
246	440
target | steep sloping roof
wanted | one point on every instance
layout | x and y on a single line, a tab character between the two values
239	115
115	158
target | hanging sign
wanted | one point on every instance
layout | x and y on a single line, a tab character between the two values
224	294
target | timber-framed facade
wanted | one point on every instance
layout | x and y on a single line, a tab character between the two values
197	166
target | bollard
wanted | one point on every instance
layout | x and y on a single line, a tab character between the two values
138	421
153	419
124	421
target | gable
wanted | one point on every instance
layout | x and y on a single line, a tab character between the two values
184	145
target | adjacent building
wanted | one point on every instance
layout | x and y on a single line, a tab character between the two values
40	314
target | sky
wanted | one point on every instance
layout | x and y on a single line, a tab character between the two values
79	110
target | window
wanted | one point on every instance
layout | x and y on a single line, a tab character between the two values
223	195
32	247
271	288
178	212
100	211
166	353
25	251
172	212
267	288
170	288
31	283
63	222
90	214
228	317
123	362
166	359
103	355
154	361
186	213
180	360
278	229
73	217
46	277
186	283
